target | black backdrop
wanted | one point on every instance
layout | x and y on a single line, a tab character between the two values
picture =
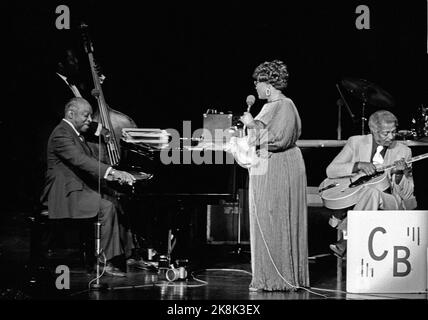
166	63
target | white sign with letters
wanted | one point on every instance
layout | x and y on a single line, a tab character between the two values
387	251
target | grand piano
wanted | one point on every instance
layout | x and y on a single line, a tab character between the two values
175	200
177	197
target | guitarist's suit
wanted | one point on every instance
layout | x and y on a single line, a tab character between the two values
359	148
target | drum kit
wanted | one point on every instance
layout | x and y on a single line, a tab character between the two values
371	95
420	124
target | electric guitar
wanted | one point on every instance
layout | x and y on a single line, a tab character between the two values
344	192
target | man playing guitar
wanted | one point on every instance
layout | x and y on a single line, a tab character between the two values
364	154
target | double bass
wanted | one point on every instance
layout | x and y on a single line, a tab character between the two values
112	120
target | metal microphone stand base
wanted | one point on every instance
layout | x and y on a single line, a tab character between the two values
99	286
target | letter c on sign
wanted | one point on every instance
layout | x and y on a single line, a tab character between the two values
371	236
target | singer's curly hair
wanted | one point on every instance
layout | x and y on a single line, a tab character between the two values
273	72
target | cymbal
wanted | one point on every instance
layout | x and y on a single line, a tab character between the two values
368	92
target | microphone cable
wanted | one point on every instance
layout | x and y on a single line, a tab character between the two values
273	262
265	243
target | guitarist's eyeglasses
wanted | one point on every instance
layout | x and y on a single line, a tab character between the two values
385	133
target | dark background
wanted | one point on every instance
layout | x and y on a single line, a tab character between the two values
166	63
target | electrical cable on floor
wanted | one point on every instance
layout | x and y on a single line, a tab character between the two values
227	270
345	292
132	287
172	284
163	284
221	269
79	292
181	284
203	283
199	280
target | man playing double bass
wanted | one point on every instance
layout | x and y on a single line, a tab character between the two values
363	153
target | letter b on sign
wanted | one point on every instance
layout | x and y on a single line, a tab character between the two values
403	260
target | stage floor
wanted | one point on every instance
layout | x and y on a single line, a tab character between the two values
227	280
224	274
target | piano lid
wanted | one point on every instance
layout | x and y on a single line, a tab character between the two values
185	176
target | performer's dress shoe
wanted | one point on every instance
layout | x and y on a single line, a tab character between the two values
142	176
140	263
113	271
334	222
339	249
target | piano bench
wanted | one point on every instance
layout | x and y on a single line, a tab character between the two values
45	233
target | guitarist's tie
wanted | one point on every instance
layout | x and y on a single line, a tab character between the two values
377	158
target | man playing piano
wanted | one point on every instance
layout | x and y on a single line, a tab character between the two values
73	178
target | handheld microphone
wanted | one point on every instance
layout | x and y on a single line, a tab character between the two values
250	101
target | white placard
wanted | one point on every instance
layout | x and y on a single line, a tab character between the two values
387	251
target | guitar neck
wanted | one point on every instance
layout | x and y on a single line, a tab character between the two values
413	159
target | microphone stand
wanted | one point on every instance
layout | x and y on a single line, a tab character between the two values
236	203
236	195
97	285
340	103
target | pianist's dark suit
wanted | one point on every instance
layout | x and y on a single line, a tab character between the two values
58	93
71	186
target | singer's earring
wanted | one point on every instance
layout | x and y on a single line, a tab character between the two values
267	92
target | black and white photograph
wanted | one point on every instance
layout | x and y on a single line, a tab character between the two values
215	159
